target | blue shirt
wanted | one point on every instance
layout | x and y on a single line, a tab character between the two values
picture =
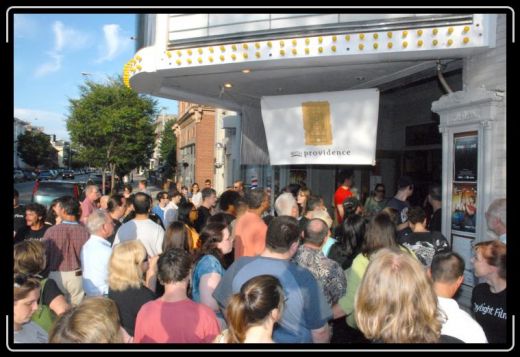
95	255
206	265
306	307
160	212
328	244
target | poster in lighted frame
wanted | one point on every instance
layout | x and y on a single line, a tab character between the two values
466	153
464	207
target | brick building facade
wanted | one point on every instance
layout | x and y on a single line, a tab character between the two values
195	131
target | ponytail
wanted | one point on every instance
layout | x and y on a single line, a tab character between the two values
236	318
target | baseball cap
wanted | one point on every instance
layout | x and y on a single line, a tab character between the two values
404	181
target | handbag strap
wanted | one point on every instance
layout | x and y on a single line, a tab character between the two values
42	286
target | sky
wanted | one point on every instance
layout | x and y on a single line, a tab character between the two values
51	51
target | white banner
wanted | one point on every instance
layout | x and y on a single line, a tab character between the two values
322	128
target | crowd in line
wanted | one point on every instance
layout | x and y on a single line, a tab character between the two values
195	268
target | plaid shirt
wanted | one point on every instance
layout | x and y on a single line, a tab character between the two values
63	244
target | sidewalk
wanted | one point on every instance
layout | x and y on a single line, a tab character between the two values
154	189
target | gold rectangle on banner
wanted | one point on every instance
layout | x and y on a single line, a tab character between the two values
316	123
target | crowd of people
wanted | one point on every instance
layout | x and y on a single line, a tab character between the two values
201	268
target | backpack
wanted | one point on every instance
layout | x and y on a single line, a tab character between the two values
44	316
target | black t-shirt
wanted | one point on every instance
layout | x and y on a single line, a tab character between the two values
26	232
401	207
129	302
117	224
203	216
19	217
303	222
435	222
490	311
425	245
50	291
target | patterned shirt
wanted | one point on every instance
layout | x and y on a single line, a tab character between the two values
325	270
63	244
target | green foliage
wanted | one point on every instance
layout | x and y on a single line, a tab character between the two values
111	125
35	149
168	147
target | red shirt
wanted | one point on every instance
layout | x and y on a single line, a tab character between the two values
341	194
182	321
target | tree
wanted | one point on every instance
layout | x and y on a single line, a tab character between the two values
111	126
35	149
168	149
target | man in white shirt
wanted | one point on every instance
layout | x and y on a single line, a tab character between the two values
95	254
172	209
447	273
142	228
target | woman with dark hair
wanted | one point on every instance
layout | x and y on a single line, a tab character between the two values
177	236
349	241
380	233
253	311
52	217
188	215
209	267
302	197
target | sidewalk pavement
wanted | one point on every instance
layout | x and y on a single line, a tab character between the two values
153	188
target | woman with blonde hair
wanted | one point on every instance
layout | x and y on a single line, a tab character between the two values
131	280
95	320
396	302
252	313
30	259
25	296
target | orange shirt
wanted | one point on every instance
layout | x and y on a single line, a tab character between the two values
250	235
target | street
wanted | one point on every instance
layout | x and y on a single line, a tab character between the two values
25	188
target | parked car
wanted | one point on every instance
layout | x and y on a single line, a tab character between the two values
18	176
29	175
97	179
67	174
44	192
45	175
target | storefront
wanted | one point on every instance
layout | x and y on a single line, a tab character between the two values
440	78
